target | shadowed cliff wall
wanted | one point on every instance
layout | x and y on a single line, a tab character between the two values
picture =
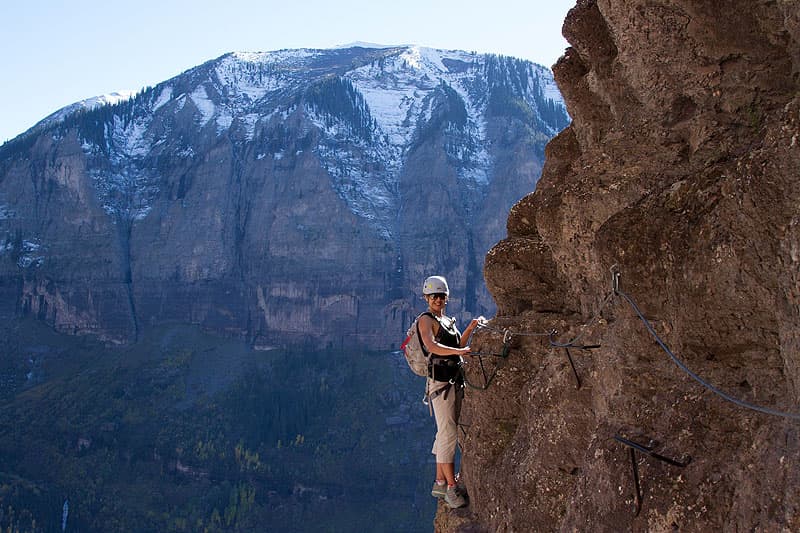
681	167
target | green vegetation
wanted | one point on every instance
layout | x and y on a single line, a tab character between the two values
338	100
509	80
188	432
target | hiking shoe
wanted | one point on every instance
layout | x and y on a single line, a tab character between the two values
453	498
438	491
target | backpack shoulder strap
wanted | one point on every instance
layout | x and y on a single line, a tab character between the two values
419	335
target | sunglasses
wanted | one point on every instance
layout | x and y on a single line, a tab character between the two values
439	296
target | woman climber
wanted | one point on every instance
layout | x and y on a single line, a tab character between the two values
445	383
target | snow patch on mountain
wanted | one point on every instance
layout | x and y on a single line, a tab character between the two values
549	87
203	104
393	105
363	44
278	56
399	93
224	120
243	79
249	121
164	97
83	105
362	173
107	99
126	192
367	195
129	140
396	91
126	187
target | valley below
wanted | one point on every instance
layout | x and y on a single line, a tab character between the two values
187	431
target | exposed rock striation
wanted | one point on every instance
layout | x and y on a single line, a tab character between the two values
681	167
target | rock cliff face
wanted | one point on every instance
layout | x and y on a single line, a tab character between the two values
291	196
681	167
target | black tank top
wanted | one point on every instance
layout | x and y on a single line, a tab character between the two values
448	332
443	367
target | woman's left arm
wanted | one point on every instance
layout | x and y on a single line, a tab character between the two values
470	328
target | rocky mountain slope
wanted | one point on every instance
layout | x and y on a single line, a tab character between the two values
681	168
296	196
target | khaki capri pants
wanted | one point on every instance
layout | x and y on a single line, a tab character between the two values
446	409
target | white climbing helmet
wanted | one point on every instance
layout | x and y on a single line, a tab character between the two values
435	284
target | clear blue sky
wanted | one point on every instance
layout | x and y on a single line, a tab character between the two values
56	52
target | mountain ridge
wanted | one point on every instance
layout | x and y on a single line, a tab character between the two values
241	143
119	96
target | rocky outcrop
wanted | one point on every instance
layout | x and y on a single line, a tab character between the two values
681	168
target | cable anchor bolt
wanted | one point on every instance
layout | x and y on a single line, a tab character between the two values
615	273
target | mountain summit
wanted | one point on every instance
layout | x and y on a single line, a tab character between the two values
291	195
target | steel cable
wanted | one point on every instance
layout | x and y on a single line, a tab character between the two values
722	394
507	334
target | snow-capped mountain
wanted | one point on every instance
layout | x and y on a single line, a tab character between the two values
83	105
336	154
